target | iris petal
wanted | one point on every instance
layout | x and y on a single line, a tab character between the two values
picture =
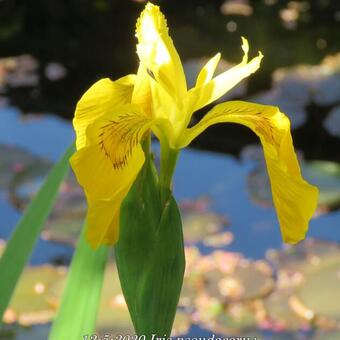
98	100
208	70
157	53
105	188
215	88
295	199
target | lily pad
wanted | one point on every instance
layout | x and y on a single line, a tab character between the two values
14	161
182	324
319	293
25	184
307	281
19	71
29	304
113	315
196	226
279	314
332	122
67	217
18	332
219	240
230	278
317	83
330	335
213	315
304	256
193	279
68	214
64	230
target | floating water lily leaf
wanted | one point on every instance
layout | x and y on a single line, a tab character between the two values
219	240
66	219
14	161
307	281
279	315
196	226
234	319
256	278
113	315
26	183
18	332
29	304
211	314
193	278
71	202
229	278
68	214
304	256
182	324
330	335
319	293
63	229
318	83
198	205
19	71
332	122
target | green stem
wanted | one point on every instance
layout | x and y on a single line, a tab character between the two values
168	163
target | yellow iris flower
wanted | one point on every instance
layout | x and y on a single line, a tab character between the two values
113	117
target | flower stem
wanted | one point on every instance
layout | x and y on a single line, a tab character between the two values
168	162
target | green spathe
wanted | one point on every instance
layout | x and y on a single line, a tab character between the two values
150	255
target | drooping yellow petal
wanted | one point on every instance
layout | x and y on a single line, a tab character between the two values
203	95
295	199
99	99
208	70
103	219
157	53
105	188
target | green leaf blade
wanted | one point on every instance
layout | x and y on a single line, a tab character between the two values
27	231
78	311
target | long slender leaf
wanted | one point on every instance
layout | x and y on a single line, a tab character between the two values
77	314
27	231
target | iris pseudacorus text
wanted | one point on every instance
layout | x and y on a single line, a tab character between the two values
113	117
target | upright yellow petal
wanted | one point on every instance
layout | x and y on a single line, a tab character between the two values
141	95
99	99
207	92
208	70
157	53
295	199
